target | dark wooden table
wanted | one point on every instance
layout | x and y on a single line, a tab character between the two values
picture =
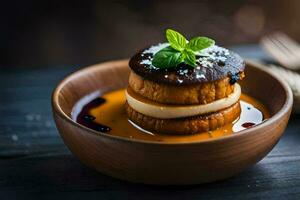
33	158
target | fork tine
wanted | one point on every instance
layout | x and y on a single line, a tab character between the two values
288	42
287	39
273	49
279	45
291	47
281	53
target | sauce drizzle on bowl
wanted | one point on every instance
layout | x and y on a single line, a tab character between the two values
106	114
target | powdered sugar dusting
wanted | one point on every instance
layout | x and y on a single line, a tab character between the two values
200	76
216	50
211	55
183	71
156	48
207	58
147	60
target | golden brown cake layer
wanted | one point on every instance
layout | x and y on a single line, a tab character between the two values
188	125
202	93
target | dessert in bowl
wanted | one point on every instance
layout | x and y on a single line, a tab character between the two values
105	115
184	99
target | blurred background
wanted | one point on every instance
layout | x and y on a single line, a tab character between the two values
35	34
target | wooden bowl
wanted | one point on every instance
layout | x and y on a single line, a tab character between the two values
164	163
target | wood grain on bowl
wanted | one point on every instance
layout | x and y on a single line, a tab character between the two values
169	163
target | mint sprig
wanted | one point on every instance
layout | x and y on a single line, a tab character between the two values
176	40
199	43
167	57
180	50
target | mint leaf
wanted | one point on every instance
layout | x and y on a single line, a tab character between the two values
189	58
180	50
176	40
166	58
199	43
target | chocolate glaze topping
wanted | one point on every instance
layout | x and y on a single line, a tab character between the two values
216	63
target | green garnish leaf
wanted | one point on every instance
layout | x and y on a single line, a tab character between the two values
180	50
199	43
189	58
167	58
176	40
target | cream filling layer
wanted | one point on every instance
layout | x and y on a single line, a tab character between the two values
163	111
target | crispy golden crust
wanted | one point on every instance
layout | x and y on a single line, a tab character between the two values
188	125
190	94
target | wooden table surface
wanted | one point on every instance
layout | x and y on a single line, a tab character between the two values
34	159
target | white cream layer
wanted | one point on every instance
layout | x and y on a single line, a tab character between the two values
163	111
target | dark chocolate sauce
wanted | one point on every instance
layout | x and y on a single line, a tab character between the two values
89	118
85	119
248	124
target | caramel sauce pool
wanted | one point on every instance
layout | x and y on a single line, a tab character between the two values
107	114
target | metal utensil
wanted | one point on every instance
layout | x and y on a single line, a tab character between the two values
283	49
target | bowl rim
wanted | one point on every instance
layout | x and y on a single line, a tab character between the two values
56	109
